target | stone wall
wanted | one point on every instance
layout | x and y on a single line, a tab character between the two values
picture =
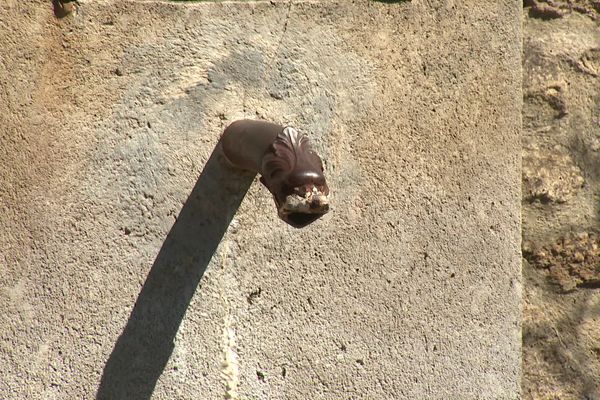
134	262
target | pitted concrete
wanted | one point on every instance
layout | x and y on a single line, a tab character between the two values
135	264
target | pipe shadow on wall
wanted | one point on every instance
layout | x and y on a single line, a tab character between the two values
143	349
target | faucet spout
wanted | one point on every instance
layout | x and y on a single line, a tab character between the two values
287	163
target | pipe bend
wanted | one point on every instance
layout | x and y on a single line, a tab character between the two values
289	167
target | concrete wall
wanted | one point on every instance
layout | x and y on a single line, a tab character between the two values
135	264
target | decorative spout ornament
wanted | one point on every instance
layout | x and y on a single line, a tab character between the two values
288	166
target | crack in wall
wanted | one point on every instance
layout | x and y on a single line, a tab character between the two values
230	369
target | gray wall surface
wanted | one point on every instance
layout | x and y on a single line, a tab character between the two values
134	263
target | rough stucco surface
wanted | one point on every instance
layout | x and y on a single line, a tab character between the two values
127	268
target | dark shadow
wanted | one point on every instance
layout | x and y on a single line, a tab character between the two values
144	347
391	1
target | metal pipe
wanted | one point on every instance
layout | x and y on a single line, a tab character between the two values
288	166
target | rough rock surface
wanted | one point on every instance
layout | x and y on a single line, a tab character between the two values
134	263
549	176
573	261
561	120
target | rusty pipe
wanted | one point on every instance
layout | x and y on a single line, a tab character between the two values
289	167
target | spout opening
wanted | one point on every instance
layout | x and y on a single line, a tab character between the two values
300	220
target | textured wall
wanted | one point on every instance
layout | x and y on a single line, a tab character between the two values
134	262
